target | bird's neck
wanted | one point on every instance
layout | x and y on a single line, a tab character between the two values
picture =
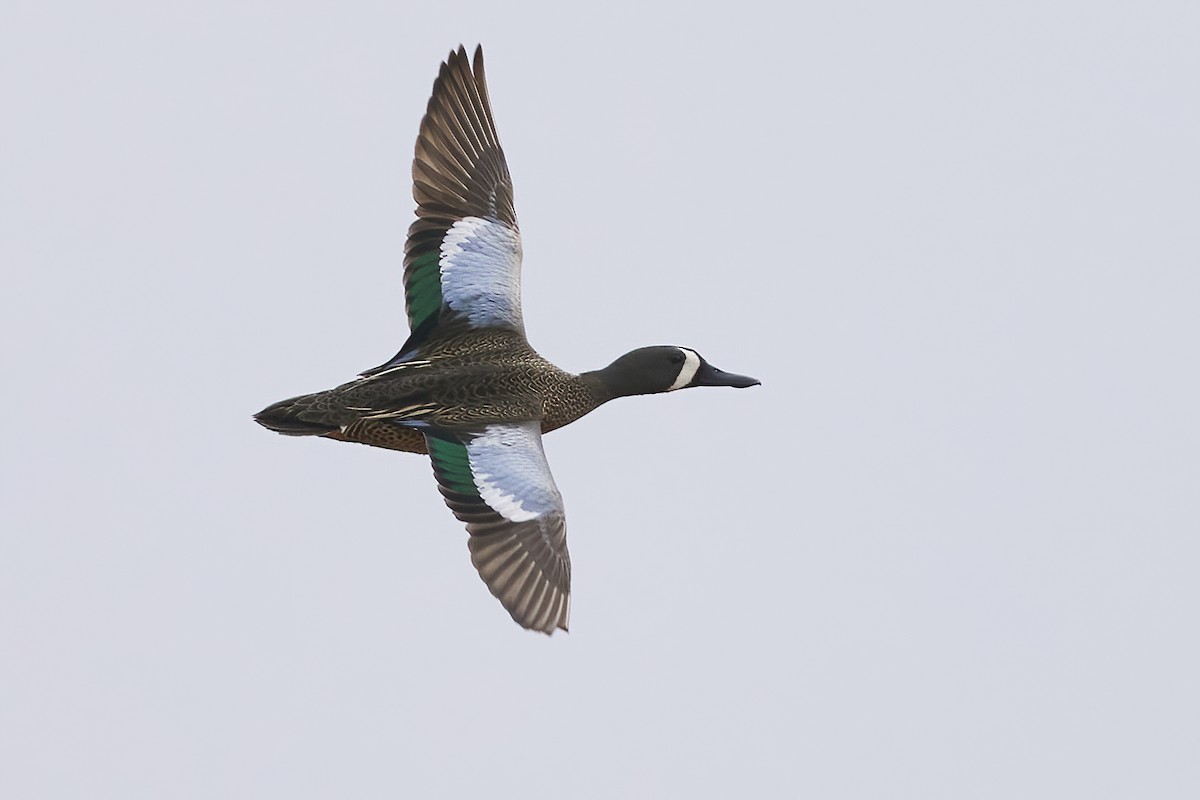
608	384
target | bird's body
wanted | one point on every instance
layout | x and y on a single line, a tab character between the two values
480	379
467	388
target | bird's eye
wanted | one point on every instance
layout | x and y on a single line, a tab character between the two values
677	358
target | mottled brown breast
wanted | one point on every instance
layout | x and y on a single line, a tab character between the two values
565	399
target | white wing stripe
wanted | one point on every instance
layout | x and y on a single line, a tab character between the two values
510	471
504	504
480	267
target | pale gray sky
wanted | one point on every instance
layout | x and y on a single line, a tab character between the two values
947	550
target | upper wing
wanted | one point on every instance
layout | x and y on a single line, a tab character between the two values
462	260
498	482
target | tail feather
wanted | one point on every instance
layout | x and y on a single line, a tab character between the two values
306	415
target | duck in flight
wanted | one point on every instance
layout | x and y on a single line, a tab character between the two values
466	387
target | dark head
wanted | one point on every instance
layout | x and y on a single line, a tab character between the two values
650	370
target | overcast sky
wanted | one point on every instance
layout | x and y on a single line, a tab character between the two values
948	549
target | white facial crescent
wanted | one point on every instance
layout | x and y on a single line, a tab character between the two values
691	363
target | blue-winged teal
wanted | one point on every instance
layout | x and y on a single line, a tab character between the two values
466	387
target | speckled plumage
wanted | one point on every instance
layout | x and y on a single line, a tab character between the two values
476	378
466	387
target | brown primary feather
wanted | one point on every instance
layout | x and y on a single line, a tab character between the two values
459	167
525	564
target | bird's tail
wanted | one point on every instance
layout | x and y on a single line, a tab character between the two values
307	415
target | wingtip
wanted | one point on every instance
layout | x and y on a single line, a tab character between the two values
459	54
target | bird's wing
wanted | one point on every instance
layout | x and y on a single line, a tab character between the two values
462	260
497	481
